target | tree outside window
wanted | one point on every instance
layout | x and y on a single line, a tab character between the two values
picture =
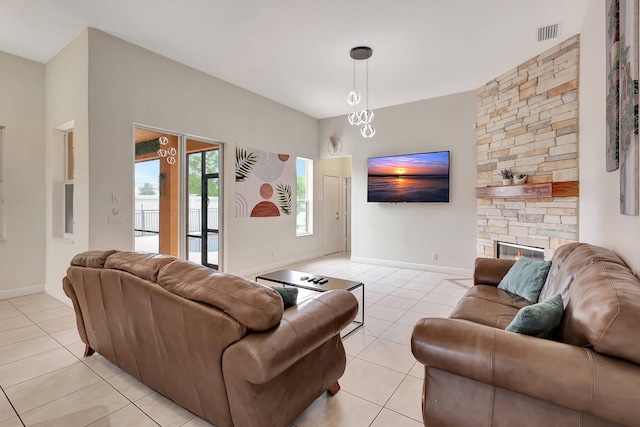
195	172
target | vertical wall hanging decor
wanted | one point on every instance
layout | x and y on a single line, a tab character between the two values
264	183
613	80
628	107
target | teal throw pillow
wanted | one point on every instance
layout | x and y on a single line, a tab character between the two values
539	320
526	278
289	295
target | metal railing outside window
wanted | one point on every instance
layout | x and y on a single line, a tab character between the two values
147	222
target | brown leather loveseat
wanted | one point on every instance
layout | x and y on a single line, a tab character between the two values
477	374
219	345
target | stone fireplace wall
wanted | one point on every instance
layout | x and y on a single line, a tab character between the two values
527	120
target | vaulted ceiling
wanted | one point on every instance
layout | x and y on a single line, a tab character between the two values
296	52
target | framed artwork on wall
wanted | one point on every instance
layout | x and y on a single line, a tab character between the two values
265	183
628	107
613	80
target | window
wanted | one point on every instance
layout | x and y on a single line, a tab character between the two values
68	183
304	205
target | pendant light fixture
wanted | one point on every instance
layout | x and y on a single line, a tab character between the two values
364	117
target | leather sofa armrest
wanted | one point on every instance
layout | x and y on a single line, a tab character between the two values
562	374
67	287
260	357
489	271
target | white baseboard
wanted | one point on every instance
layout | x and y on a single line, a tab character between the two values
252	272
58	294
20	292
462	272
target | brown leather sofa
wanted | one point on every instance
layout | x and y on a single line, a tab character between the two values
219	345
477	374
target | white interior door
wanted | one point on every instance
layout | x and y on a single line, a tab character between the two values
332	215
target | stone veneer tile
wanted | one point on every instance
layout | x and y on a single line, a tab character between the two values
527	120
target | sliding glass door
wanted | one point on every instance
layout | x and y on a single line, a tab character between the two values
177	196
203	233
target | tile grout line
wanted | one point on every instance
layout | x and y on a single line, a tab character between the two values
394	392
56	370
130	401
12	407
80	360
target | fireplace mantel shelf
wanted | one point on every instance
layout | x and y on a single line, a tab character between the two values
523	191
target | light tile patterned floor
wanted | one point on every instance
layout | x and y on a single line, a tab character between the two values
46	381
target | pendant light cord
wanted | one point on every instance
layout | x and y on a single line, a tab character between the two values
354	74
367	83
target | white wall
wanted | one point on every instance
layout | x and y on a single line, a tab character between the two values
129	85
22	113
66	97
407	234
600	220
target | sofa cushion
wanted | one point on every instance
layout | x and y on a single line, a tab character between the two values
141	264
253	305
94	259
289	295
539	320
603	310
526	278
569	261
491	293
489	306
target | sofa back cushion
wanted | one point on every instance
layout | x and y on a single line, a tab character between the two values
568	262
93	259
602	300
141	264
255	306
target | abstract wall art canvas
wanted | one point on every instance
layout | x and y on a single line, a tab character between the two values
265	183
628	108
613	80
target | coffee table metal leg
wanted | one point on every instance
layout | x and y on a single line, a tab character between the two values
361	322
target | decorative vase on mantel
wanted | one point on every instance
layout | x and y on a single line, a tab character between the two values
519	179
507	175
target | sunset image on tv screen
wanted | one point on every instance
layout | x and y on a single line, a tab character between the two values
420	177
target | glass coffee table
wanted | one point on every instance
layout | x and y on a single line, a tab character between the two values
302	280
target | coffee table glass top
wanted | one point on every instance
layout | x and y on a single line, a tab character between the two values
295	278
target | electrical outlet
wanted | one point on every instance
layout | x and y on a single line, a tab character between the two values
115	198
434	256
115	219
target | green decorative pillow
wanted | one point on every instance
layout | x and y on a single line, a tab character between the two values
526	278
539	320
289	295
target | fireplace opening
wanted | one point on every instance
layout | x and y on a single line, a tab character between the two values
512	251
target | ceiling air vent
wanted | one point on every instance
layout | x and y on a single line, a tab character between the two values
548	32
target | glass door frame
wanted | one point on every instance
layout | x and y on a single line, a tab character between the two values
183	193
205	229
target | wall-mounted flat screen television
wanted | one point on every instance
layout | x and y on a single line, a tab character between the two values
422	177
